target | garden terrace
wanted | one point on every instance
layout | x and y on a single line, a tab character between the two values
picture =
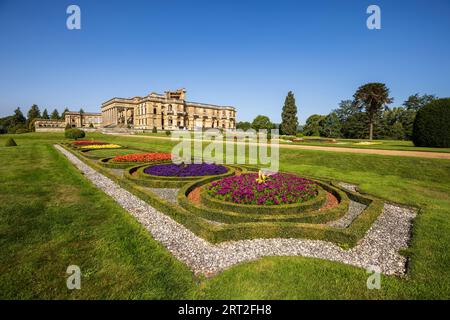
209	220
365	244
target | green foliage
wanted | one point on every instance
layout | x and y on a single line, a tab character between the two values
63	115
22	130
312	126
17	127
10	143
330	126
18	117
154	130
417	102
373	97
262	123
45	114
74	134
289	121
68	127
91	125
432	125
167	132
33	113
243	125
54	115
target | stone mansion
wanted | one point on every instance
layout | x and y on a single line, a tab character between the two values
168	111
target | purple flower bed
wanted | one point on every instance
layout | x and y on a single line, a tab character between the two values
185	170
280	188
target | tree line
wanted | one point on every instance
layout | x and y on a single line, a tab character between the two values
367	115
18	123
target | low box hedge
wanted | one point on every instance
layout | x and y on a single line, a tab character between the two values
215	233
311	204
226	216
137	175
106	162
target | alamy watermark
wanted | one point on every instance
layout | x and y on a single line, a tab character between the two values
248	147
73	21
74	279
374	20
374	280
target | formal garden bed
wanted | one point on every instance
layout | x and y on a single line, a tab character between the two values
131	159
221	203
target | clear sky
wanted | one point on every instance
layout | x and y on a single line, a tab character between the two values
245	53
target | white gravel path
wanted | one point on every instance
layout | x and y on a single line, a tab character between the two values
379	248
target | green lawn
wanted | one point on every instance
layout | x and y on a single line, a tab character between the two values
356	143
51	216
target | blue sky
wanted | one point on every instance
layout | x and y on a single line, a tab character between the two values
243	53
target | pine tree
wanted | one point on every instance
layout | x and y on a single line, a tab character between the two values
63	115
54	115
33	113
289	121
45	114
18	117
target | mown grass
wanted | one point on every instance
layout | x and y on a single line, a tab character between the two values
51	217
378	144
44	229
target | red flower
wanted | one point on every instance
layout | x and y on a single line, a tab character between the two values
143	157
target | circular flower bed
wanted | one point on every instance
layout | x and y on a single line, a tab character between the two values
100	146
87	143
277	189
143	157
185	170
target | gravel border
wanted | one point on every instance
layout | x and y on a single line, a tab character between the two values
354	210
169	194
379	248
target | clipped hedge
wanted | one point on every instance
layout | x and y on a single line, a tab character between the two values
10	142
137	175
74	134
215	233
311	204
432	125
225	216
106	162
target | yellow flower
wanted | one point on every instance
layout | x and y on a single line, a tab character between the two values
101	146
261	177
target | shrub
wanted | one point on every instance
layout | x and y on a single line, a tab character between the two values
432	125
154	130
18	127
91	125
167	132
68	127
22	130
10	143
74	134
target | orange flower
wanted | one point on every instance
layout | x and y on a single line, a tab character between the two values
143	157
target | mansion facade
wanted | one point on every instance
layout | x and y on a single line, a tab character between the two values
168	111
